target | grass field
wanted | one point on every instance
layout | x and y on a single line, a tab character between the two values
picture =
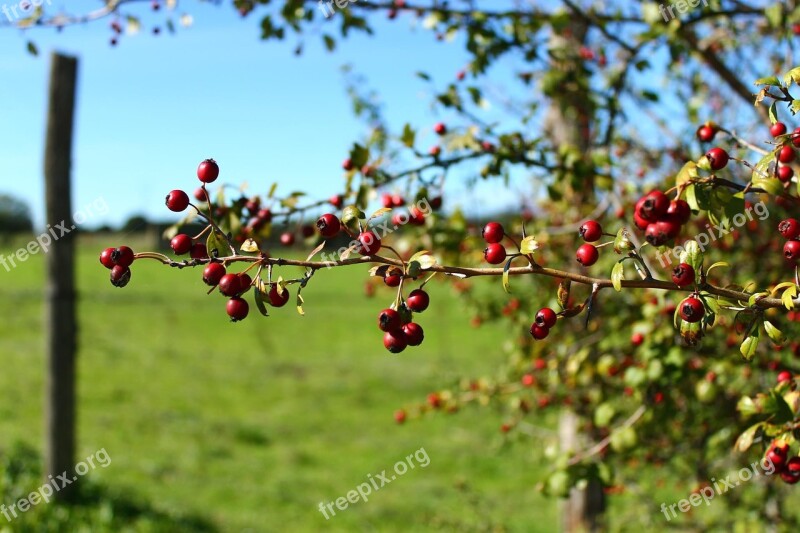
249	426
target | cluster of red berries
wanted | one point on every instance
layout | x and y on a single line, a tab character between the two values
786	154
544	320
790	230
493	233
399	330
660	218
119	261
587	254
787	468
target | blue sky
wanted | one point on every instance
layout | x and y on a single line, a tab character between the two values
152	108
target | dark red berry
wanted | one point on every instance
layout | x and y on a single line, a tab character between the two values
386	200
539	332
785	173
418	300
230	284
237	308
786	154
706	133
181	244
198	251
122	256
796	137
399	201
777	129
120	276
683	275
692	309
395	341
200	194
337	201
208	171
652	206
392	280
493	232
717	158
177	201
213	273
661	232
679	211
348	164
370	244
494	253
106	258
587	255
307	231
637	339
440	128
436	203
789	228
329	225
791	250
389	320
264	215
591	231
413	334
791	472
287	238
546	318
278	299
639	221
244	282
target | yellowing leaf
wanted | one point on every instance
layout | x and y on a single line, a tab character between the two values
249	246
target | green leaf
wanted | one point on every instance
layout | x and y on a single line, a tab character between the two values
791	76
617	275
413	268
769	80
773	111
352	212
260	295
217	245
32	49
788	297
408	137
773	186
718	264
748	347
774	333
330	43
745	440
622	242
774	14
300	304
692	255
604	414
528	245
506	284
359	156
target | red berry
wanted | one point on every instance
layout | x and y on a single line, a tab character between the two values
789	228
416	217
777	129
637	339
400	416
785	377
717	158
370	244
277	299
546	318
395	341
106	258
348	164
661	232
418	300
683	275
337	201
435	150
494	253
120	276
386	200
200	194
177	201
679	211
244	282
528	380
791	250
287	238
692	309
389	320
198	251
329	225
440	128
487	146
706	133
413	333
791	472
796	137
652	206
213	273
587	255
208	171
786	154
590	231
539	332
230	284
237	309
785	173
181	244
493	232
122	256
398	201
639	221
436	203
392	280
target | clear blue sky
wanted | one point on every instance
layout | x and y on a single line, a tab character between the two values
150	109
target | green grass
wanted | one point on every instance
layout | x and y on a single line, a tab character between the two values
251	425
